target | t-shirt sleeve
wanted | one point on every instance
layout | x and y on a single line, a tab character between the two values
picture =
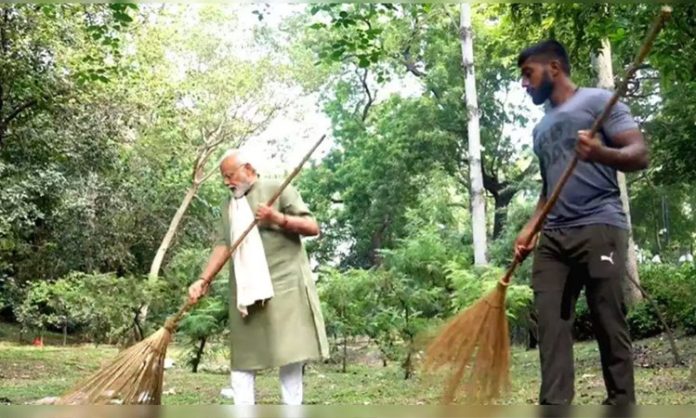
619	119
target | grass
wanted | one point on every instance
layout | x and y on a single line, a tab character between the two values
29	373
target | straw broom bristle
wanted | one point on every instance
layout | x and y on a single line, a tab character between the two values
475	343
134	377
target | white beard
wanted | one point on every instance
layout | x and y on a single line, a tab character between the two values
241	190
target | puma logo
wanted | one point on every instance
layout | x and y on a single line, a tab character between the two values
609	258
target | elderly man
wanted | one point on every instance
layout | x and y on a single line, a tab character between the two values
275	315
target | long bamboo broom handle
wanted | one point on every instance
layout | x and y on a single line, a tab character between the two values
173	321
658	24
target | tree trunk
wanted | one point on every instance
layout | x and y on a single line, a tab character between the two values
65	331
502	201
631	292
377	242
199	354
605	80
407	366
137	328
167	240
478	208
173	226
345	354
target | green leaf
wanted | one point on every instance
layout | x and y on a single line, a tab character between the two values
123	17
337	54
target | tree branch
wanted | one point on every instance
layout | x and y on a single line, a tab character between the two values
19	109
370	99
453	22
6	122
214	131
208	175
410	65
3	32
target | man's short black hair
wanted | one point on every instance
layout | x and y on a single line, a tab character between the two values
546	50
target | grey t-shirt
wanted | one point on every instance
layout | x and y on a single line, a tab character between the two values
591	195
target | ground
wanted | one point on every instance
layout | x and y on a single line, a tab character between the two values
29	373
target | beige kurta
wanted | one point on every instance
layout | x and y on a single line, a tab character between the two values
289	327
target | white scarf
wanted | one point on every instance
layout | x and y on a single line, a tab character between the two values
250	266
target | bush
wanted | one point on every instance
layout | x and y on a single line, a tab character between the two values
207	320
582	326
673	288
472	283
501	249
102	306
643	322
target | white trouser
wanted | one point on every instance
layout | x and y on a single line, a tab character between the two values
243	384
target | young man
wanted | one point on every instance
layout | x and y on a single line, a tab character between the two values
583	241
275	314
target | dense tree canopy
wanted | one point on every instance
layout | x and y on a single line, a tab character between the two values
110	114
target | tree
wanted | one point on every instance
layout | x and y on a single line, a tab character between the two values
421	41
605	80
478	209
222	99
34	57
345	298
207	320
53	59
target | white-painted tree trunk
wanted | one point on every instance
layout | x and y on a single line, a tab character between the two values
478	204
605	80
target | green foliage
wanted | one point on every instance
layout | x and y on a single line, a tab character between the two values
346	300
91	183
118	100
671	286
422	40
500	251
472	283
103	307
582	327
376	177
356	34
643	322
206	321
664	219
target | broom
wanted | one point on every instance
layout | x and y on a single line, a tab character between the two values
476	340
135	376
